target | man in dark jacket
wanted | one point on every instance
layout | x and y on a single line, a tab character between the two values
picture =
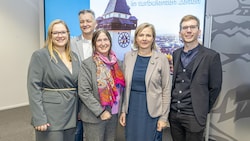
197	80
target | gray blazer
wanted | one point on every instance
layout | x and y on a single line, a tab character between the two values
58	108
158	84
76	46
91	107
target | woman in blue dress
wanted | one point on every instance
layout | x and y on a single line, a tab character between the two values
146	101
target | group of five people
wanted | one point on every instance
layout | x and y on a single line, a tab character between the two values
79	82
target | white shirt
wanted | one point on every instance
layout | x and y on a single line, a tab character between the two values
87	48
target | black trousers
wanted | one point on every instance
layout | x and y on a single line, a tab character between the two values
185	127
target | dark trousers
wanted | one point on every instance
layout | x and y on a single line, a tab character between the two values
79	131
185	127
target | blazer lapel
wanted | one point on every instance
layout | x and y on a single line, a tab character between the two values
75	67
60	64
198	59
79	47
130	61
176	62
151	66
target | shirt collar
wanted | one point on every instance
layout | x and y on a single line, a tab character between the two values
192	50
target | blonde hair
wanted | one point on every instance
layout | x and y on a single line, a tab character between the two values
49	43
139	30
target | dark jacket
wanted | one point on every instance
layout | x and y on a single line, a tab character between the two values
206	80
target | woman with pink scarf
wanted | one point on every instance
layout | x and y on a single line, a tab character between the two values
100	85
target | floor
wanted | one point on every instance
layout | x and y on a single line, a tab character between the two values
15	126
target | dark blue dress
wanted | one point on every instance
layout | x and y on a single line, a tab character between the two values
140	126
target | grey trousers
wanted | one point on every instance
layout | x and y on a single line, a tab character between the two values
61	135
102	131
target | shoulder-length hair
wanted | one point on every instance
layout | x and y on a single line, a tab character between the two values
49	43
139	29
96	35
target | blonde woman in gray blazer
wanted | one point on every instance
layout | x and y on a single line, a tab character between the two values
52	86
147	94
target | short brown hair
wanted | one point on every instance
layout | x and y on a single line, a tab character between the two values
190	17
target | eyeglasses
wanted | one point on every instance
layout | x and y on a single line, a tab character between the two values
192	27
56	33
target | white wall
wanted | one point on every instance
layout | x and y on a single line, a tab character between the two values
21	32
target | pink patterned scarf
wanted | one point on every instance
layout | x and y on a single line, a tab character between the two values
109	78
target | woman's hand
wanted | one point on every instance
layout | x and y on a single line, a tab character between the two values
42	127
123	119
161	125
105	115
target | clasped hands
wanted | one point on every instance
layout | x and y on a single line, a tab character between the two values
105	115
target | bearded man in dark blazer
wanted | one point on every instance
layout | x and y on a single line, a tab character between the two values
197	80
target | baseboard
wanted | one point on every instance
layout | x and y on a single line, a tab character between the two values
13	106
